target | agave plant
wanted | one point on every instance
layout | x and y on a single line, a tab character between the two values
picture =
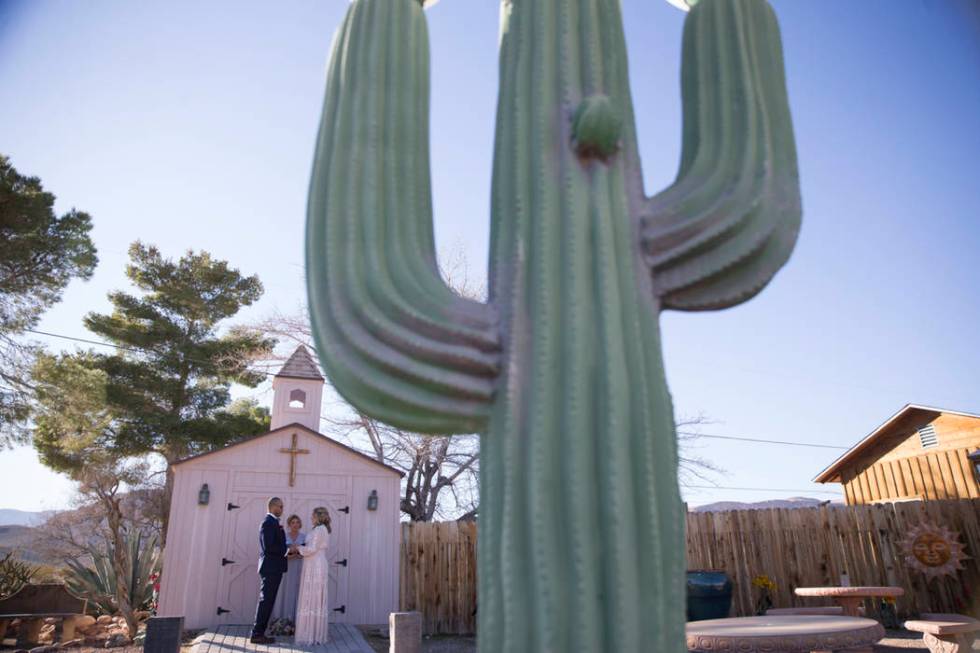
98	582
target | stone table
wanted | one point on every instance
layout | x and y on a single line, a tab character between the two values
790	634
850	598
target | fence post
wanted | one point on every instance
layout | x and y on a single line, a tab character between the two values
405	630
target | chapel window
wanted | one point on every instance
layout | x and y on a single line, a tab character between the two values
297	399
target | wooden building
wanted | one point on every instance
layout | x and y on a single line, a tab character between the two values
210	561
919	453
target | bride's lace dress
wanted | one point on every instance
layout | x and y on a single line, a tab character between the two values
312	608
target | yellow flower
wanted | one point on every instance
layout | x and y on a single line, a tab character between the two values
764	582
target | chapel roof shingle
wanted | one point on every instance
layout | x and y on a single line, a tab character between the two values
301	366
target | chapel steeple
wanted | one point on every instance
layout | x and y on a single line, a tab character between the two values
297	392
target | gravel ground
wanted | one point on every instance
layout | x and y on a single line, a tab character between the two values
434	644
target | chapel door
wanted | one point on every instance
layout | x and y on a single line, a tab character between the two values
238	584
338	548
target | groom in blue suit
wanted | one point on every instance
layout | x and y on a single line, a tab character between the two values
272	565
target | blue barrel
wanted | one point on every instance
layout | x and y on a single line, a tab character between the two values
709	594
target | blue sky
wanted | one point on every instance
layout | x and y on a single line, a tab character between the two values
191	125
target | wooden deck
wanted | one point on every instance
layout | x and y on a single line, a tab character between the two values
344	638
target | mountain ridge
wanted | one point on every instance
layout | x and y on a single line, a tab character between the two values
790	503
14	517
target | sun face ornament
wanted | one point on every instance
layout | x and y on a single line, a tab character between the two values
933	550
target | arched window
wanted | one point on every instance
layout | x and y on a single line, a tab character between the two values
297	399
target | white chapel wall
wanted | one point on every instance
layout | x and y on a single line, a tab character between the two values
198	534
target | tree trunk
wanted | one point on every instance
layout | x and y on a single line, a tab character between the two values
121	565
581	539
168	490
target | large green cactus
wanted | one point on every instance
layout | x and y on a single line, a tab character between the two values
581	544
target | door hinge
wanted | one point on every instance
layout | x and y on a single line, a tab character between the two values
226	561
342	563
232	506
342	609
222	611
345	509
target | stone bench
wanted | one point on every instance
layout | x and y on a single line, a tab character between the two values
946	633
32	604
829	610
787	634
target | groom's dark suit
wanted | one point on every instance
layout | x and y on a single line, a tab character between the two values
272	565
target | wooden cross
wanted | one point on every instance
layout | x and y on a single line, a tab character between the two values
293	452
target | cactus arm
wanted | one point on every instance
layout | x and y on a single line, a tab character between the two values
396	341
717	236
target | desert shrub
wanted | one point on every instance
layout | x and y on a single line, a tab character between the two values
14	574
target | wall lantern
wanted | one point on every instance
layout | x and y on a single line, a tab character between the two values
204	496
373	500
974	459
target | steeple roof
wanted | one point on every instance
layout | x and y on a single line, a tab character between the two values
301	366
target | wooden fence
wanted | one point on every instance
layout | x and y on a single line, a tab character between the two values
795	548
808	547
438	575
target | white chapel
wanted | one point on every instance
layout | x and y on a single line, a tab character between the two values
210	561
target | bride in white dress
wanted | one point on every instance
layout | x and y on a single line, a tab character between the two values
312	611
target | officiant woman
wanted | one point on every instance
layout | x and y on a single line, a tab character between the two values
289	592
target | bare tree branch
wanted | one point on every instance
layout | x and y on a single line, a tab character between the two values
692	468
441	474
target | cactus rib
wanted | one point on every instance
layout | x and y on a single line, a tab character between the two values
407	349
722	230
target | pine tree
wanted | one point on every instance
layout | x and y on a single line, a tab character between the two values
40	252
167	389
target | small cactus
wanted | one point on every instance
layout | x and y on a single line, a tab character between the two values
581	539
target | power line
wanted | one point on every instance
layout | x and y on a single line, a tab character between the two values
88	342
123	347
702	435
744	439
